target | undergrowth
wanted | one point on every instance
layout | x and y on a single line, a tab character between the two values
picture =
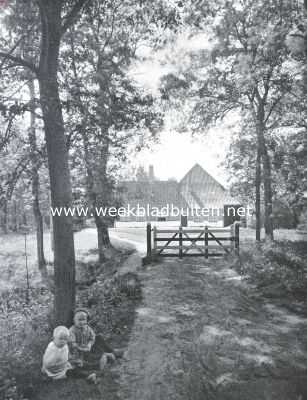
26	321
277	268
25	331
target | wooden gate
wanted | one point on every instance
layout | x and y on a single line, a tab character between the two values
192	242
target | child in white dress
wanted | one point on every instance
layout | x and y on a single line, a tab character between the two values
55	359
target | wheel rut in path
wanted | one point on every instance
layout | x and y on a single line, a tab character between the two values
201	333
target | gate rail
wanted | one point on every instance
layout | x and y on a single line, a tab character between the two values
192	242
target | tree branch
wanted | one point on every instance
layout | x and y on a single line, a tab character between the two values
111	33
18	61
15	175
8	133
72	15
275	103
266	83
11	51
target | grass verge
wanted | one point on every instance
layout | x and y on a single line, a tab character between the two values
278	269
26	326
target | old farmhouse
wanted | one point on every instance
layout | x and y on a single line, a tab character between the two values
197	195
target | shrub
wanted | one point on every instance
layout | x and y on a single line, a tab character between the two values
275	267
24	334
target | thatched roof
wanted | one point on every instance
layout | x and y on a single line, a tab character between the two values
197	189
201	190
155	193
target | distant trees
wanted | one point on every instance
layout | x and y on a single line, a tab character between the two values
46	22
248	70
87	102
14	166
36	161
77	55
109	109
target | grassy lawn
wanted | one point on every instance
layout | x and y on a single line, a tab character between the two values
13	259
248	235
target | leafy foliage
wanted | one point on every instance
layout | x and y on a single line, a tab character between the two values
277	269
246	69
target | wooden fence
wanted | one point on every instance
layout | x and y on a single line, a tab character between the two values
192	242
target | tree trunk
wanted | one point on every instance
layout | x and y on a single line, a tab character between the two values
4	219
103	237
268	201
267	175
258	196
305	75
267	181
91	190
15	223
305	47
105	233
103	180
35	187
105	123
24	219
61	195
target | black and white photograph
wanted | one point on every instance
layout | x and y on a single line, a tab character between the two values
153	199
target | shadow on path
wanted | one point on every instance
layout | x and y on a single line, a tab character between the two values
201	333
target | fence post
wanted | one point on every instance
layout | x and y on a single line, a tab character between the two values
206	242
232	236
154	240
148	231
237	236
180	241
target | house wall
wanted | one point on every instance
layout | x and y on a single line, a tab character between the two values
196	191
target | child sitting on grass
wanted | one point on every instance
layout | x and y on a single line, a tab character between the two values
87	353
86	348
55	359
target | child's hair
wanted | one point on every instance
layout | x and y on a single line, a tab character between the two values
84	310
59	330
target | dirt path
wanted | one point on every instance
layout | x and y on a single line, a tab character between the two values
202	333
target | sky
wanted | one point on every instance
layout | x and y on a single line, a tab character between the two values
178	152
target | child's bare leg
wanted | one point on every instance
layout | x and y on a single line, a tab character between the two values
103	362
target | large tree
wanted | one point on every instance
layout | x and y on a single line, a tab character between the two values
49	19
106	106
243	71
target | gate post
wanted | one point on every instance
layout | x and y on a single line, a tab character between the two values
206	242
148	234
237	236
154	240
232	236
180	241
